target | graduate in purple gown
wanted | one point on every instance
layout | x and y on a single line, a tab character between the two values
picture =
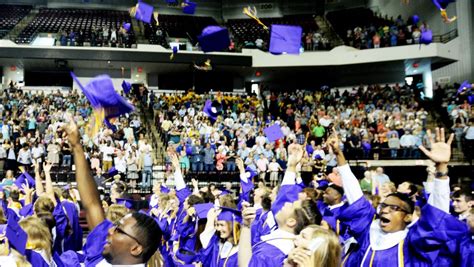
466	246
291	216
334	205
220	239
72	241
131	241
388	241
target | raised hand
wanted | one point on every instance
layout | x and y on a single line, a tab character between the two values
240	164
440	149
174	160
72	132
47	167
299	257
295	154
248	214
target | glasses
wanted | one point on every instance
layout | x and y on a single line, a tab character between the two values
392	207
119	230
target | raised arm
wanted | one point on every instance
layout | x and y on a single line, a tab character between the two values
440	153
49	183
38	181
350	183
85	183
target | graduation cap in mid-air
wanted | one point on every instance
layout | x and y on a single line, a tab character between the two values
25	179
214	38
273	132
285	39
212	109
142	11
426	37
189	7
126	26
126	86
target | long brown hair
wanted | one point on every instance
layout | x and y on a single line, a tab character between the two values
329	252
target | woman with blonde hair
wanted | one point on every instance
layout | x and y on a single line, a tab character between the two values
39	243
315	247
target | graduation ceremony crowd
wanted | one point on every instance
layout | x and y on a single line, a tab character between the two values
296	203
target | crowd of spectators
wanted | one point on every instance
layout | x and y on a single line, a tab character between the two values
31	131
385	33
99	37
373	122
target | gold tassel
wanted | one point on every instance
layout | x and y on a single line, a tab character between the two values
252	13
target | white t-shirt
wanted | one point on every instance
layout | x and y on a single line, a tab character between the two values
107	152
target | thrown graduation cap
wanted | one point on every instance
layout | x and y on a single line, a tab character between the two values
442	4
112	171
126	86
128	203
273	132
171	1
16	236
101	94
126	26
25	178
203	209
110	125
470	99
189	7
465	86
214	38
426	37
212	109
143	12
230	215
250	173
285	39
415	19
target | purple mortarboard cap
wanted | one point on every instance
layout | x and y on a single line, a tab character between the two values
189	7
126	26
470	99
426	37
175	50
112	171
203	209
70	258
318	157
415	19
164	189
442	4
128	203
230	215
285	39
323	184
212	109
16	236
225	192
186	256
144	12
126	86
101	94
273	132
214	38
25	178
171	1
464	86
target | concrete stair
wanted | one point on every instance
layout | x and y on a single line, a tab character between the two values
326	29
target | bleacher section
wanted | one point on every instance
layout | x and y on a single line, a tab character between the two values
247	31
51	20
176	26
10	15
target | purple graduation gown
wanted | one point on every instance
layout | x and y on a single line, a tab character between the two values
37	260
467	251
61	225
259	227
95	243
266	255
435	231
210	256
74	240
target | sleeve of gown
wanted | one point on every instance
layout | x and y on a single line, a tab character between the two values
358	216
288	192
440	195
61	225
210	248
436	230
95	243
350	184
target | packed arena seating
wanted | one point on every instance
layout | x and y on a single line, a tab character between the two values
79	26
363	29
246	32
10	15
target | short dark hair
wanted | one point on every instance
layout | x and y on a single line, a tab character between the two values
405	198
466	192
148	233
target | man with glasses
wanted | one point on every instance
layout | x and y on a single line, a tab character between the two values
392	239
130	242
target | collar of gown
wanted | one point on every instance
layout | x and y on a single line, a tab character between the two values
281	239
379	240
